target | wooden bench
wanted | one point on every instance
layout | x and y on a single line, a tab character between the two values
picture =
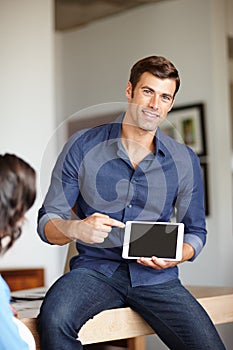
124	323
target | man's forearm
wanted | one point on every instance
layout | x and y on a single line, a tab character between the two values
93	229
54	231
188	252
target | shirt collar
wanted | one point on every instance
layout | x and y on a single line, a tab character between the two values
115	135
115	131
160	141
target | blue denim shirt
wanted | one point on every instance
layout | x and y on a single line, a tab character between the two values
94	174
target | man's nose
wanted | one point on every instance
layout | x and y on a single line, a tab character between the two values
154	102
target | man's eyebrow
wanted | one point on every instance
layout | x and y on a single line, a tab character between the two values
147	87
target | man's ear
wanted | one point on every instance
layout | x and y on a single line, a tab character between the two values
128	90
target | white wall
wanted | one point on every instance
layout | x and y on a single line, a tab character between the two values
27	111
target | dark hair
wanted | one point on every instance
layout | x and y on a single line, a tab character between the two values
159	66
17	195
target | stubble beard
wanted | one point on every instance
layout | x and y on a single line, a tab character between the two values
146	125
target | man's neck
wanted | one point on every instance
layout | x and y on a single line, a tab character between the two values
137	142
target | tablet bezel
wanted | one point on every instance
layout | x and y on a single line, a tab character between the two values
179	240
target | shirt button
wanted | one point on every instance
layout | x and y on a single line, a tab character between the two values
129	205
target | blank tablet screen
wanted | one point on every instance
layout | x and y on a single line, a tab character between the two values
147	240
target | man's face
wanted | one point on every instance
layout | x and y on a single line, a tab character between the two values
150	101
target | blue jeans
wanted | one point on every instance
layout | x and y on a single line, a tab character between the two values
174	314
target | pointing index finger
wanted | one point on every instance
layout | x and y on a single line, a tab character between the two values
117	223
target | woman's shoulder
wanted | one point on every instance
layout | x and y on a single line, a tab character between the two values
4	290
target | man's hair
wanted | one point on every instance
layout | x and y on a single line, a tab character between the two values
17	195
159	66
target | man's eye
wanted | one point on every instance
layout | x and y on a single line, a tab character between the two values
167	98
147	91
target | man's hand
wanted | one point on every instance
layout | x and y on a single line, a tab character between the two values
93	229
159	264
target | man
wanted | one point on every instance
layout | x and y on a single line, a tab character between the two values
122	171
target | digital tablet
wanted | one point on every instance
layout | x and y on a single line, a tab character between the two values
146	239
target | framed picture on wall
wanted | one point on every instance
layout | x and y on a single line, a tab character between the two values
204	169
186	125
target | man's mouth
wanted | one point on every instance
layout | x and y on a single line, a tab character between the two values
150	114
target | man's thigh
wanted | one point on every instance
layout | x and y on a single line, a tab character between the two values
176	316
78	296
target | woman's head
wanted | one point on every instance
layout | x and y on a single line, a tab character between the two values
17	195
